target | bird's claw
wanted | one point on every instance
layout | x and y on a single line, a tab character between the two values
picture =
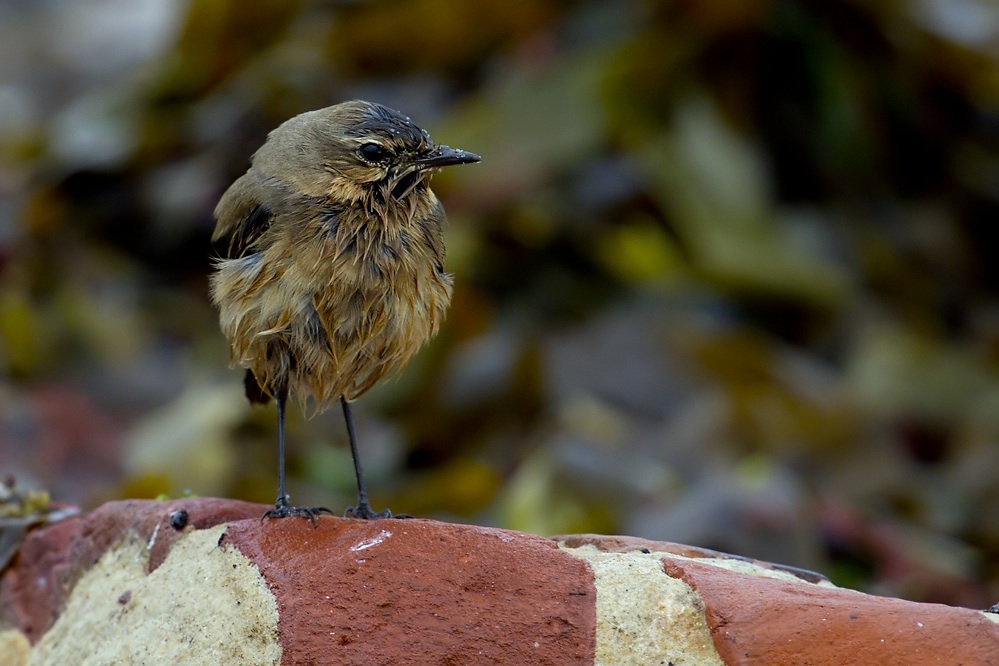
363	511
283	509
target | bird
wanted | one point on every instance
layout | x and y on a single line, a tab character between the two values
329	274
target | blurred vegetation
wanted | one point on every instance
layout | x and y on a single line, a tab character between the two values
726	275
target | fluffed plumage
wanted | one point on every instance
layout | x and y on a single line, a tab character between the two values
333	269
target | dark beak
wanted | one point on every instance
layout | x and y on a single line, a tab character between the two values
444	156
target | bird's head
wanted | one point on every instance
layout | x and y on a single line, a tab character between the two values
352	150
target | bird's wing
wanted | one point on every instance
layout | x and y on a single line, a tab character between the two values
241	217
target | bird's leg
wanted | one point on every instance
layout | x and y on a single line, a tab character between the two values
363	508
282	507
282	496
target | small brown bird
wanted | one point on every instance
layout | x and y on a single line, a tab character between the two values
333	270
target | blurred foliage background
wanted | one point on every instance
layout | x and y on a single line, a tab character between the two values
726	275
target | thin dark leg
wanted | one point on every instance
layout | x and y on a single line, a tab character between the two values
363	508
282	507
282	496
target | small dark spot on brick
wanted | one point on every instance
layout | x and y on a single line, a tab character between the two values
645	550
853	617
125	597
178	519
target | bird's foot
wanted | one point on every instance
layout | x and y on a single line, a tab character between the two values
363	511
284	509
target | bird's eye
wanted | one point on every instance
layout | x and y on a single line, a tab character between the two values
372	152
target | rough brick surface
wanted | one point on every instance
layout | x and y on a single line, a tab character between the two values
424	592
381	592
763	621
50	560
